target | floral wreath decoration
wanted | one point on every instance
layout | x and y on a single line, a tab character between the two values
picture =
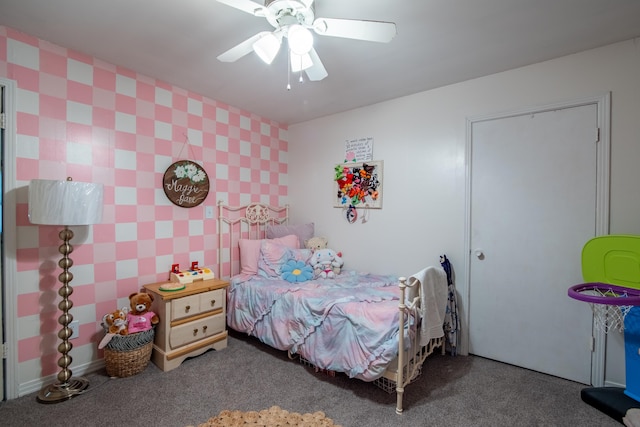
355	184
186	184
189	170
296	271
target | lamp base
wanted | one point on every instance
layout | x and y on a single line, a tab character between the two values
57	392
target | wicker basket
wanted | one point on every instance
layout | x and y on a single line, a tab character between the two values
127	355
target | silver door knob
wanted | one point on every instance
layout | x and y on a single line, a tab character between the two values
479	253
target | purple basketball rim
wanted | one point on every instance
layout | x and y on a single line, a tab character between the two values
624	296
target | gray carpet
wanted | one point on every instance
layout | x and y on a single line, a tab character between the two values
453	391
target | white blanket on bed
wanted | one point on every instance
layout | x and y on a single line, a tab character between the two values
433	301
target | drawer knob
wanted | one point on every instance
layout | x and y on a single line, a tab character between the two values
204	329
213	303
195	332
187	308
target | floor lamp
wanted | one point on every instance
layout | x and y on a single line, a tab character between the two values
64	203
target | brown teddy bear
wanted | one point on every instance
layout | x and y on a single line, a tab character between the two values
140	318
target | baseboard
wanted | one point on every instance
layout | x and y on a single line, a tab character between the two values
613	384
78	370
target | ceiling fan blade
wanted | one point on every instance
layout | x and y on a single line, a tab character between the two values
248	6
241	49
375	31
317	71
268	45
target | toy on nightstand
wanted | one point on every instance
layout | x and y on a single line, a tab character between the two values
191	275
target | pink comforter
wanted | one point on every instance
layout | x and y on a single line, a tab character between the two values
347	324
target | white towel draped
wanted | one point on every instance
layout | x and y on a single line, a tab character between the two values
433	301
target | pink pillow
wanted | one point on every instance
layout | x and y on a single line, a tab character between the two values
274	255
250	252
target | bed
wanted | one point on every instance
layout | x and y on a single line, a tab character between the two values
363	325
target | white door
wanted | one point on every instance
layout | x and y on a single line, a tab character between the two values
2	204
533	206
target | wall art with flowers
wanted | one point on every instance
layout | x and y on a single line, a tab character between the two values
186	184
358	184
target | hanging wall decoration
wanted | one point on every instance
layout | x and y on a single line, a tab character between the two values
358	185
358	150
186	184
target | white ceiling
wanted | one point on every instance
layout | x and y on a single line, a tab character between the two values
439	42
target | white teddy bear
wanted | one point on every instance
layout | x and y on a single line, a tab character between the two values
316	242
326	263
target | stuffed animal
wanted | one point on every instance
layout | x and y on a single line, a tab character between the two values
316	243
116	322
139	317
326	263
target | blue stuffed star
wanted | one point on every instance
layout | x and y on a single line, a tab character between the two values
296	271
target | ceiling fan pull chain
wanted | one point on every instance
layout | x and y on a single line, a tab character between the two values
288	72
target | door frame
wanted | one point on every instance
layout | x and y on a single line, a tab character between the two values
9	285
603	150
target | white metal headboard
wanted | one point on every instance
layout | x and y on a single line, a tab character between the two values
243	222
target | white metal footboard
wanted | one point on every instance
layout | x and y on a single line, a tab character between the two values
410	364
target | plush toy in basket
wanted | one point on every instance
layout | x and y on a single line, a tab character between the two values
116	322
140	318
127	348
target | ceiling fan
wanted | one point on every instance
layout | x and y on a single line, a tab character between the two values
293	20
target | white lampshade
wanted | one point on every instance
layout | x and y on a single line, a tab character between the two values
300	62
65	202
300	39
267	47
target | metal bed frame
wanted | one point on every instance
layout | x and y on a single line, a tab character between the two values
251	222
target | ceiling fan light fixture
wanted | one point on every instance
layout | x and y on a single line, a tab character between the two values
267	47
300	39
300	62
295	20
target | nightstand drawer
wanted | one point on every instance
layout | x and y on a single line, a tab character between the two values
195	304
212	300
198	329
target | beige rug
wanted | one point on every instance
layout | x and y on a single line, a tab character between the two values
632	418
272	417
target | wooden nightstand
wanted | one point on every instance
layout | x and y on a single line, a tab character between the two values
192	321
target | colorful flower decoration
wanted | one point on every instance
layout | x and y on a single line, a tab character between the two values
296	271
356	183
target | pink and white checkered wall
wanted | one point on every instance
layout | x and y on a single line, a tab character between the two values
78	116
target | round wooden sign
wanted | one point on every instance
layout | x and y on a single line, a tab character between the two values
186	184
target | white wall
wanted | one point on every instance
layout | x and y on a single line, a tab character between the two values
421	139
